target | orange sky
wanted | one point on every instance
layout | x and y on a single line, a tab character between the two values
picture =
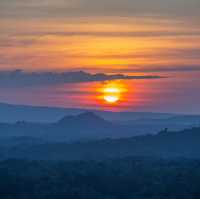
106	44
108	36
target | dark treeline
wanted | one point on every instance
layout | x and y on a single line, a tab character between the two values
130	178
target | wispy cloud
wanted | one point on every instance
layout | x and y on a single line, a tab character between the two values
106	35
61	8
116	34
161	68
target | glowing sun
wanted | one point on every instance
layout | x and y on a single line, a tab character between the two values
111	94
111	98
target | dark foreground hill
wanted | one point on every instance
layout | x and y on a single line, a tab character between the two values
165	144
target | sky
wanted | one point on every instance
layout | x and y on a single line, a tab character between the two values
144	38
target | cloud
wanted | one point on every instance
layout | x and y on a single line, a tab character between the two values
63	8
116	34
161	68
19	78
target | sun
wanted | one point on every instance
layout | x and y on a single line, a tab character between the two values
111	94
111	98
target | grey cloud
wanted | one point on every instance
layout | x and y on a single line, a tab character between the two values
118	34
61	8
17	42
162	68
160	53
21	78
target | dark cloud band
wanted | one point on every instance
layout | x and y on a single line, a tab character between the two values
21	78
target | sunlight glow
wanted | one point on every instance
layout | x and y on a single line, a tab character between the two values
112	90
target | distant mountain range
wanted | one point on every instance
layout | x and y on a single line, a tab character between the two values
139	122
85	126
90	126
166	144
81	134
12	113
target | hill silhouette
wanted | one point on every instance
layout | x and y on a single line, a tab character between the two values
11	113
85	126
86	118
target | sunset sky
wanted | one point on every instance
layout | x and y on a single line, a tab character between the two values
154	37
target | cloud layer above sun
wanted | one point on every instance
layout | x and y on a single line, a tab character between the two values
63	8
100	36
